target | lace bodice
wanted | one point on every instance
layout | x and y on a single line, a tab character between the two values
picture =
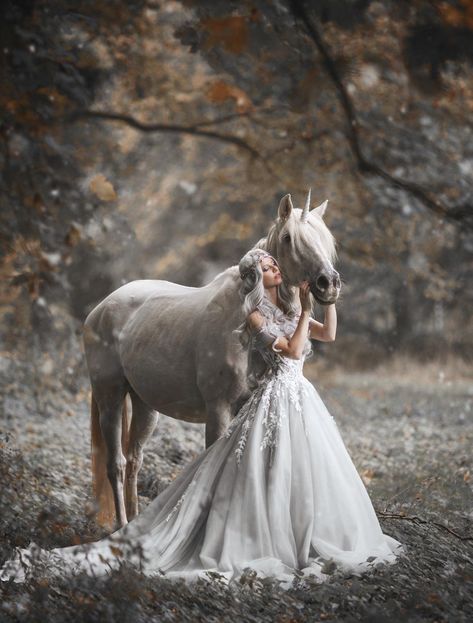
276	323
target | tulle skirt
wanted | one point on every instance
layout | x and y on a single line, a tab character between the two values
277	493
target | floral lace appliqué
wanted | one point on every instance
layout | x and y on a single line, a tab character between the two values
273	393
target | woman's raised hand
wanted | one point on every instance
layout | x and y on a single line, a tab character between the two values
304	295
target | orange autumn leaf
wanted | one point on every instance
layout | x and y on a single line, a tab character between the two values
220	92
101	187
116	551
461	17
229	32
73	236
367	475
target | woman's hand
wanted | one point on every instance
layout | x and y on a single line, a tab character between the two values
294	346
304	295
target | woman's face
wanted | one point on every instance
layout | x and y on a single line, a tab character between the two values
271	273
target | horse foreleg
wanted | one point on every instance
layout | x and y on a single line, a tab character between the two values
143	423
218	419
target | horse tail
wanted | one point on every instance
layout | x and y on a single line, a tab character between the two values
102	489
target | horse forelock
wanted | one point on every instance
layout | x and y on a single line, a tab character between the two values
300	233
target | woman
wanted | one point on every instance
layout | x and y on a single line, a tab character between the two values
277	492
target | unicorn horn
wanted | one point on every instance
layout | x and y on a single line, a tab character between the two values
305	211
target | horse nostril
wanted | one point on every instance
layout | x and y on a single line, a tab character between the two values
322	283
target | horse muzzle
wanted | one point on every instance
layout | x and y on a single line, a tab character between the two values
325	288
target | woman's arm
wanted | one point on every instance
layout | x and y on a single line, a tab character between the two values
326	331
289	347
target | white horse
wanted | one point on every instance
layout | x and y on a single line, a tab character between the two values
170	347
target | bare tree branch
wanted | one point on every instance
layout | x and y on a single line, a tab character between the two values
191	129
162	127
251	114
460	214
417	519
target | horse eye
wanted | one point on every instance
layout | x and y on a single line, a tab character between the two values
286	238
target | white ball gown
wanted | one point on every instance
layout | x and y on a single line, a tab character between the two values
277	492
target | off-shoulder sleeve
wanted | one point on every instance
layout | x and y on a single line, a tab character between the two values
265	339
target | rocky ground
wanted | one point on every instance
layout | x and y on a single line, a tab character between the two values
408	428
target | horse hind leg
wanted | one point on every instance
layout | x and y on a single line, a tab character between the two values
109	444
143	423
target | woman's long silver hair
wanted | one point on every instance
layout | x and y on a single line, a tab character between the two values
252	290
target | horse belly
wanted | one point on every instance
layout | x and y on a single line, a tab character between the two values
161	369
168	395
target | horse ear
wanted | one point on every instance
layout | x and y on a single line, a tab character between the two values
285	207
320	210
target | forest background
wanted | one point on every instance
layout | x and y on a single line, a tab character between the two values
154	140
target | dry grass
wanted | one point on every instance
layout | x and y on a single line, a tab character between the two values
400	370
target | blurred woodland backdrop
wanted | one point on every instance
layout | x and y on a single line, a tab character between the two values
154	139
